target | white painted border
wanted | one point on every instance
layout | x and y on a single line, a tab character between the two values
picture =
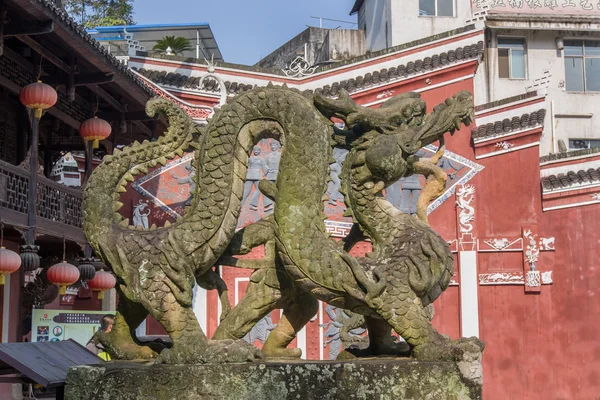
497	153
585	203
321	332
301	340
469	300
200	306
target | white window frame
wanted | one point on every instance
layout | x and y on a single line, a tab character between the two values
435	3
583	58
525	58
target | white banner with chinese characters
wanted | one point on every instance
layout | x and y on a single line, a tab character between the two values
555	7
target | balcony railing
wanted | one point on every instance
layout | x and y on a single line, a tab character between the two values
56	203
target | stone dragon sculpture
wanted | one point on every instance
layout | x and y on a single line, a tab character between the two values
409	267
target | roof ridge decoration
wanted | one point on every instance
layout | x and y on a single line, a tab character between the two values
323	68
197	112
299	68
212	75
352	85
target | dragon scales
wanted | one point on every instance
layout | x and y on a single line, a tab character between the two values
409	268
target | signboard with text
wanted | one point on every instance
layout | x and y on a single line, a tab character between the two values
557	7
58	325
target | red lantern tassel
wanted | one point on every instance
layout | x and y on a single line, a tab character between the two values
101	295
62	290
96	144
2	280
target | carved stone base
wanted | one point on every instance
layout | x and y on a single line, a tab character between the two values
365	379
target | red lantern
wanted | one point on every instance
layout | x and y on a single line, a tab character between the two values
95	129
39	97
63	274
9	263
101	282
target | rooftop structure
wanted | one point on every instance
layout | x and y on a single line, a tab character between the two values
125	40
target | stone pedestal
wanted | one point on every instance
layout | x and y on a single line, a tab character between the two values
365	379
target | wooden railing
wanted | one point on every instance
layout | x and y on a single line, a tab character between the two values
56	202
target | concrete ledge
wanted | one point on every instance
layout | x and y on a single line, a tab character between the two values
365	379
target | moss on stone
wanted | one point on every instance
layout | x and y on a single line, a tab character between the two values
366	379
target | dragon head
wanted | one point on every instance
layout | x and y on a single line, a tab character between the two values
403	117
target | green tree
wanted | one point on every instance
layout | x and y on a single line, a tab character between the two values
178	45
92	13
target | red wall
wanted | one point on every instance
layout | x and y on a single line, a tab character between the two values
538	346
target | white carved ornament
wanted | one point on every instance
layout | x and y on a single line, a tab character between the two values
504	145
466	194
533	279
299	67
596	196
512	278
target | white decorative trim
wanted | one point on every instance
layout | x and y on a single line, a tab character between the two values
595	196
546	244
504	145
585	203
533	279
497	153
547	278
501	278
474	170
338	229
501	245
511	278
465	195
532	251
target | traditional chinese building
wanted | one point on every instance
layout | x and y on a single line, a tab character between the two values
38	41
519	225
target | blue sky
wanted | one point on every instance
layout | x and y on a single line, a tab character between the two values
247	30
